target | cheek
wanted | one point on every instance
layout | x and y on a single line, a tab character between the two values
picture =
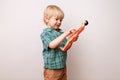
54	22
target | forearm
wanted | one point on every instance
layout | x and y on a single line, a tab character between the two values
58	40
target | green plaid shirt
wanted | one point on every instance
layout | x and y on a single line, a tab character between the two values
53	58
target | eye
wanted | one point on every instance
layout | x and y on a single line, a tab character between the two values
60	20
57	19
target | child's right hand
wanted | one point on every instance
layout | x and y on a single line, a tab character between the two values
70	31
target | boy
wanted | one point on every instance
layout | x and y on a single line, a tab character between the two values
53	38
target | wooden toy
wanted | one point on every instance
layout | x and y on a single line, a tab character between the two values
74	35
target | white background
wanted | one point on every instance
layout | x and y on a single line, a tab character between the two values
95	56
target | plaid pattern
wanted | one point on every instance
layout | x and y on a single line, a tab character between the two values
53	58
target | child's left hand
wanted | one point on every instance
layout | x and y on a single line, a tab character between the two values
76	38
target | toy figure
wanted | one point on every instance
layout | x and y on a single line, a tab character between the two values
74	35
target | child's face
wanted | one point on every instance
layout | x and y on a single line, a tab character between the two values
54	22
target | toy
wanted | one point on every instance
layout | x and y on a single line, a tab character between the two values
74	35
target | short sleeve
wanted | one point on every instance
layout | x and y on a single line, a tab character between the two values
46	39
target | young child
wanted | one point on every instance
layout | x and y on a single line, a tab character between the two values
53	38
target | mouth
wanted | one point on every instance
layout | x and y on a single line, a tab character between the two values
57	25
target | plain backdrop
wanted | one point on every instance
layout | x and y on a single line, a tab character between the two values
95	56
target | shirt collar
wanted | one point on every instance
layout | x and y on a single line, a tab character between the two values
51	29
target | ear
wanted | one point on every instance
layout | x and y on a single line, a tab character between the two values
46	18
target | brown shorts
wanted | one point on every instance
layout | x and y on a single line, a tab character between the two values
55	74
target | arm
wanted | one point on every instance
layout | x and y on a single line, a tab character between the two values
58	40
74	36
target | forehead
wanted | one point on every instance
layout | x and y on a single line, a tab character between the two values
56	17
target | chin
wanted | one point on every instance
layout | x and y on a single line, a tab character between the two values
56	27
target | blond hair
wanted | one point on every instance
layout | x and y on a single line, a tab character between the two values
53	10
